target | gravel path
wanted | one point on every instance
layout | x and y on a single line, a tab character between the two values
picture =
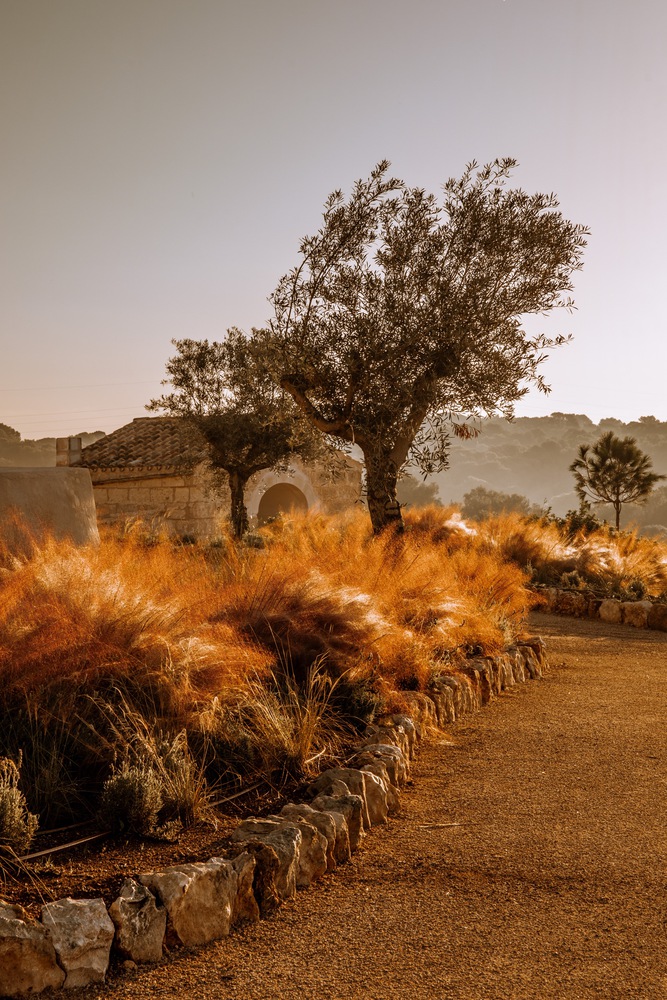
530	863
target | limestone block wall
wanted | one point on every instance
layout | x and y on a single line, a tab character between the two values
195	503
184	503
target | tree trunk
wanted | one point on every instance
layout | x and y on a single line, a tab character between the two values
383	507
617	508
238	512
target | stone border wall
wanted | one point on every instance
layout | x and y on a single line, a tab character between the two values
192	904
586	604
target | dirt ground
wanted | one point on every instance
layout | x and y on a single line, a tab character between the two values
530	862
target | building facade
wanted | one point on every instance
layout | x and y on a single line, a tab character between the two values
155	470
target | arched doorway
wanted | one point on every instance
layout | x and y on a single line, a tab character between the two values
283	498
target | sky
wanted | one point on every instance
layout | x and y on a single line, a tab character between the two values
162	159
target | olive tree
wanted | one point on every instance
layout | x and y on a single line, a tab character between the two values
614	470
248	423
405	313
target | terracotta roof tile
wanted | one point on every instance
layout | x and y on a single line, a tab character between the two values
148	443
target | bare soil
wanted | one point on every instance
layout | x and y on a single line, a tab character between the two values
530	862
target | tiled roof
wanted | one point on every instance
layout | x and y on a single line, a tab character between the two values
147	443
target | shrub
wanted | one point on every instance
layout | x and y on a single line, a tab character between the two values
131	799
17	825
238	660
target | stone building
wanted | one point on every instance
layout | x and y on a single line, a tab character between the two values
154	470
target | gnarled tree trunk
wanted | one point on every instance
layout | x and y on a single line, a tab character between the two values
383	506
238	512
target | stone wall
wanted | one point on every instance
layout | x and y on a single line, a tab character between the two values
184	503
586	604
271	857
195	504
39	502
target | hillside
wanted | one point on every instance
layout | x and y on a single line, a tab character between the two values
532	455
16	452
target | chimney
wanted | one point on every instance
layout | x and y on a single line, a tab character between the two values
68	451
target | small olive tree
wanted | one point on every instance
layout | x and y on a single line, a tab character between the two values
614	470
248	422
404	313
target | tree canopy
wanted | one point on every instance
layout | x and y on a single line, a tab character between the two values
248	422
405	313
480	503
614	470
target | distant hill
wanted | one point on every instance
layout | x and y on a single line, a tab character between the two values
531	456
41	453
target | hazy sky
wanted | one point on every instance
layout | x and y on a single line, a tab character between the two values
162	158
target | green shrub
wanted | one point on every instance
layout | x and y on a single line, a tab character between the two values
17	825
131	799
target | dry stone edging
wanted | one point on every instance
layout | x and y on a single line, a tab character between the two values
586	604
193	904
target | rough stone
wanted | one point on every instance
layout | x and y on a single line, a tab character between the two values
82	932
442	697
505	671
530	659
285	838
27	957
388	731
421	708
467	698
353	780
610	612
480	673
322	821
140	923
636	613
375	791
244	907
351	806
199	899
517	664
538	646
410	730
267	865
378	767
312	851
391	756
571	602
657	617
594	606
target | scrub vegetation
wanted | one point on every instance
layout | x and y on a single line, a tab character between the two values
142	679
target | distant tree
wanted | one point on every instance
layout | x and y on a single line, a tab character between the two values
480	502
614	470
248	422
410	492
404	315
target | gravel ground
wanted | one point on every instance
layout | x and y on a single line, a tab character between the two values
530	863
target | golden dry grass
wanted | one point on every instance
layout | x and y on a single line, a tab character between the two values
259	655
222	642
612	562
186	626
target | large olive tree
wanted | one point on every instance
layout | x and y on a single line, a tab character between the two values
248	422
405	313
